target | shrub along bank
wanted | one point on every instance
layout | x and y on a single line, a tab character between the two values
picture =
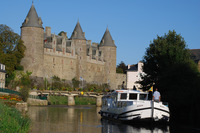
12	121
79	100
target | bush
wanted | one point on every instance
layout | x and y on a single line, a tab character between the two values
24	93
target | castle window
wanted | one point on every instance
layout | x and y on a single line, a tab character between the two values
80	49
53	60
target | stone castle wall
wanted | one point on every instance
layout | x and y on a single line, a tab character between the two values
119	79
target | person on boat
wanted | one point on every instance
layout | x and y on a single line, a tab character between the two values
156	96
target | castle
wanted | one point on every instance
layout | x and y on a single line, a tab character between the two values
49	55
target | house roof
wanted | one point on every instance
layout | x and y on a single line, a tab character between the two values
133	68
195	54
107	39
32	19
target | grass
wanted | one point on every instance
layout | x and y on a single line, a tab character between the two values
85	101
12	121
58	100
63	100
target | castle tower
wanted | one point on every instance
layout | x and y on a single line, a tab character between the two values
78	37
107	46
32	33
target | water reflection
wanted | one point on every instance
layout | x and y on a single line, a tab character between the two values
80	119
64	119
116	127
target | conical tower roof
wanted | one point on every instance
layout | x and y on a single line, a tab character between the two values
107	39
78	32
32	19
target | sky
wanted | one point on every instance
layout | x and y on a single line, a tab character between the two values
133	24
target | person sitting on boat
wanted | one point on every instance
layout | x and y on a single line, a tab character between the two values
156	96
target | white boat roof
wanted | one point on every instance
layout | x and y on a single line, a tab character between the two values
130	91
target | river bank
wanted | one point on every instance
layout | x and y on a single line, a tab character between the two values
12	121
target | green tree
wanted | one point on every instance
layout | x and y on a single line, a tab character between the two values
75	83
11	49
60	34
168	67
121	68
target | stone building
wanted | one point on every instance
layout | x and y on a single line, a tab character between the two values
2	75
50	55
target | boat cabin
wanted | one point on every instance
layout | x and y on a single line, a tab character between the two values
130	95
121	98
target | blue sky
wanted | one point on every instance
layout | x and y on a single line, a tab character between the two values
133	24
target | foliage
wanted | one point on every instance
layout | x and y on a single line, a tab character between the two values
58	100
56	83
11	50
168	67
23	79
60	34
24	93
75	82
96	88
121	68
11	120
85	100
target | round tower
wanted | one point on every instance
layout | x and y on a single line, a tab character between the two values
32	33
107	46
79	40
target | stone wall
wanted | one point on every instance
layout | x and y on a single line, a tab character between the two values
37	102
119	79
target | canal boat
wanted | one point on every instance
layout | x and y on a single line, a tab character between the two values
133	105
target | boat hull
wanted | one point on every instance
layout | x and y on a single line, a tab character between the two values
140	111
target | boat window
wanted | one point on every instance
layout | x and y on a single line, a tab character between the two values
123	96
132	96
143	96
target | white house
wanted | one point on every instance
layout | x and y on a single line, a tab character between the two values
2	75
133	75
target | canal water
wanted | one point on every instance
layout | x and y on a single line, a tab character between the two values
81	119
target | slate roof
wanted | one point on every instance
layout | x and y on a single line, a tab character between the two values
195	54
32	19
107	39
133	68
78	32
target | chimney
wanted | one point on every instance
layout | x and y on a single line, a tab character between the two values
48	31
89	42
129	66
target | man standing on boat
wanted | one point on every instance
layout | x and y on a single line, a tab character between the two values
156	96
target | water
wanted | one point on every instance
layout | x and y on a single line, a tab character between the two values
81	119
